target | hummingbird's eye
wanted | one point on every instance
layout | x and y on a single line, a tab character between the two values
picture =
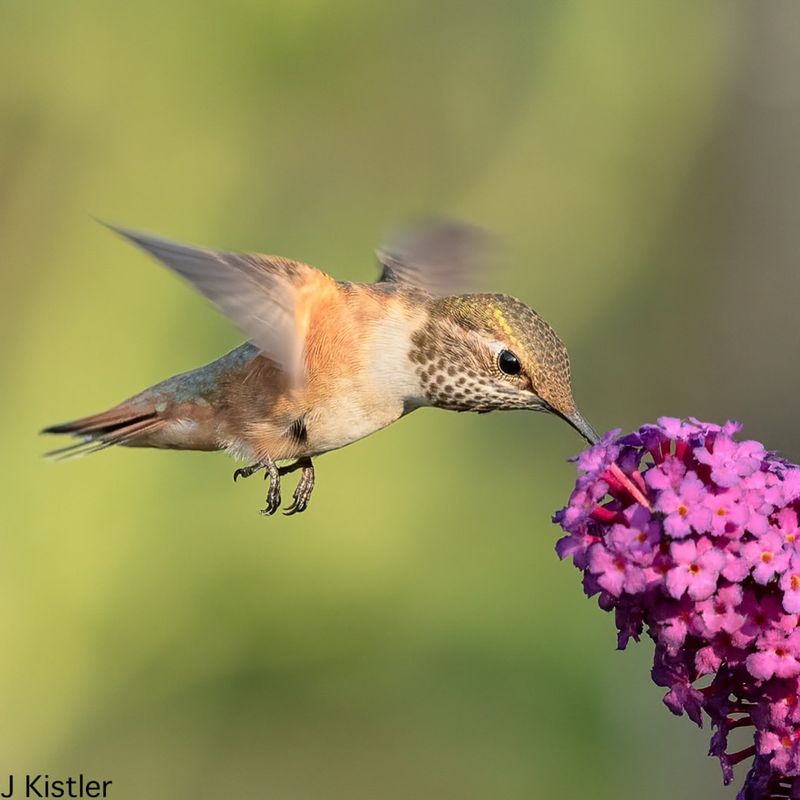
508	363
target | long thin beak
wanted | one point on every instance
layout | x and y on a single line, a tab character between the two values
578	421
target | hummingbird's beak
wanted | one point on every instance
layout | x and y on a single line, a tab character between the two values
578	421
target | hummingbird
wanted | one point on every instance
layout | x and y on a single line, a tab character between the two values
328	362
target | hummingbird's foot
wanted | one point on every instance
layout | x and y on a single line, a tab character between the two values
273	475
302	494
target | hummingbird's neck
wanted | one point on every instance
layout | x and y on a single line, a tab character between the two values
388	381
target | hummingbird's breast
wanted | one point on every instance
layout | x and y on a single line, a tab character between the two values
360	377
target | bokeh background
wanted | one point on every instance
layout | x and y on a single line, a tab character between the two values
413	635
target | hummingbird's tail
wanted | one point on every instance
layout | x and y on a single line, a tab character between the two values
121	425
184	412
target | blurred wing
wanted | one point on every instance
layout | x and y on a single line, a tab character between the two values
257	293
444	258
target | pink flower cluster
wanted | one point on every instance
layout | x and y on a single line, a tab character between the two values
685	532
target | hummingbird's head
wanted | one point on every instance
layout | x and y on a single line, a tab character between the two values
491	352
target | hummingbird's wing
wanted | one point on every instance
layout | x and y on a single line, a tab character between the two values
258	293
443	257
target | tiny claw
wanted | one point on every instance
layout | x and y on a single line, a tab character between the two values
273	501
298	505
294	508
246	472
273	496
302	494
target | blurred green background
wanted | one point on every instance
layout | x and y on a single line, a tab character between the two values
409	636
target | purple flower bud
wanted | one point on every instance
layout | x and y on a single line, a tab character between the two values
694	537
